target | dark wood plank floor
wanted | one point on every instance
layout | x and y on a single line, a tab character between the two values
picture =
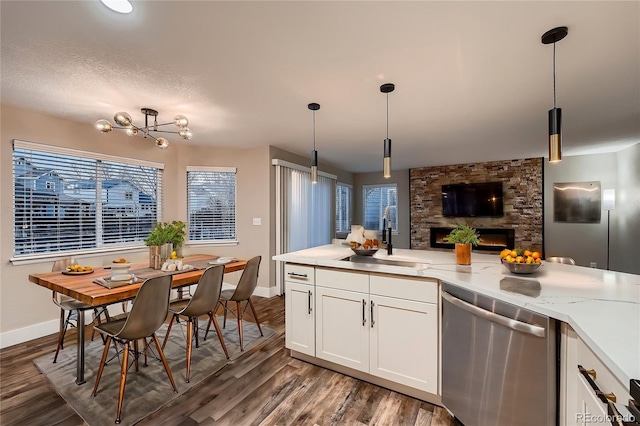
263	387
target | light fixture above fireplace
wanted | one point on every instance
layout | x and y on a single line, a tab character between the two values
124	120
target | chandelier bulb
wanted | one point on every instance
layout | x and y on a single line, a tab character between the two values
162	143
122	119
104	126
185	133
131	131
181	121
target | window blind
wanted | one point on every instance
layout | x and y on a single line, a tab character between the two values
376	199
344	197
211	204
70	201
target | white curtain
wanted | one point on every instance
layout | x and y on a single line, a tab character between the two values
304	211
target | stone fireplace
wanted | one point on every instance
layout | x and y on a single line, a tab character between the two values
522	194
491	239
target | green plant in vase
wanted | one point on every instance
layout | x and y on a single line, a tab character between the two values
464	237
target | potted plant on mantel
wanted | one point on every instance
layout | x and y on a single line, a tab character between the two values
163	240
463	236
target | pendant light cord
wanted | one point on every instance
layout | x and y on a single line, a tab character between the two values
554	74
314	130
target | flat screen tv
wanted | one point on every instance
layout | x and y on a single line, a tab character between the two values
472	199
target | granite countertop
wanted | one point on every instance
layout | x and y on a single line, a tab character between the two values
603	307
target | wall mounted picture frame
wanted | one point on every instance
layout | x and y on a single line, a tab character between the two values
577	202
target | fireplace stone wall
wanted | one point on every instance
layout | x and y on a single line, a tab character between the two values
522	191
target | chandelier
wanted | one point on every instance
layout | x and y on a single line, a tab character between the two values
125	122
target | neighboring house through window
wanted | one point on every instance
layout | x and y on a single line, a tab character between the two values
70	201
211	204
376	200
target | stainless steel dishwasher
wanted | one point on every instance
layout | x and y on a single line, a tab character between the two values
499	361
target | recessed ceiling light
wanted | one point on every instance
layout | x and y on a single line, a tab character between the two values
120	6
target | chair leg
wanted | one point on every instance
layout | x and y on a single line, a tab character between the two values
207	331
212	314
239	316
224	322
212	319
255	316
164	362
166	336
189	346
123	380
60	335
101	368
195	326
136	351
146	345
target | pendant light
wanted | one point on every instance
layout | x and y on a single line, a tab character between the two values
555	114
386	162
314	154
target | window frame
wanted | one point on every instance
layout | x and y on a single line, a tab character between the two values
206	169
100	248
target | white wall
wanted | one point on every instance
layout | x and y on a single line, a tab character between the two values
587	242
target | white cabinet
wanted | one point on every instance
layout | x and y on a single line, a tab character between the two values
590	410
300	308
299	317
404	342
383	325
342	332
579	403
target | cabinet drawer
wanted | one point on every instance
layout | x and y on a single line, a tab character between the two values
421	290
342	280
605	380
299	273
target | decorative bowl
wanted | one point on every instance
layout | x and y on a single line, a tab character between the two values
361	251
521	268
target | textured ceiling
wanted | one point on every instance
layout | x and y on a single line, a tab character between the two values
473	81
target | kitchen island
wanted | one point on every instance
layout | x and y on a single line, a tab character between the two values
601	308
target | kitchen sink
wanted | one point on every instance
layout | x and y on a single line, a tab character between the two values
375	261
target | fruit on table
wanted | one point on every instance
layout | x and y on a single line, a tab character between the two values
78	268
520	256
121	260
174	255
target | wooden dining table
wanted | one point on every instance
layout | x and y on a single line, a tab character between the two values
82	288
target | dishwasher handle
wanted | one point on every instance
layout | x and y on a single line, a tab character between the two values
493	317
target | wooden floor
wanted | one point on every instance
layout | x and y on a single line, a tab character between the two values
265	386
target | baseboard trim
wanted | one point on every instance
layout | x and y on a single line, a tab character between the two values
35	331
266	291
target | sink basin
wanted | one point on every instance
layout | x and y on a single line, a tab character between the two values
375	261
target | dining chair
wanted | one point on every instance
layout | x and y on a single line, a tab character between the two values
147	314
243	292
203	302
70	307
559	259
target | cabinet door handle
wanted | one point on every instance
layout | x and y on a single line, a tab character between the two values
309	301
364	320
372	320
591	372
610	396
295	275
